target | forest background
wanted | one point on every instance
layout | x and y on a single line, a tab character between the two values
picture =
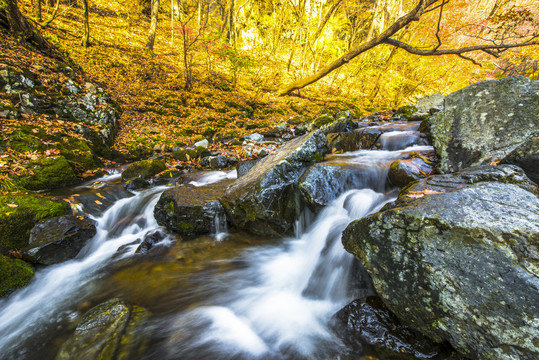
185	70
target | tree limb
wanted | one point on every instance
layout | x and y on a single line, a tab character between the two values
413	15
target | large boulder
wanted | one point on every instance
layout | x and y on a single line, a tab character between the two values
20	213
367	325
14	274
456	257
487	122
58	239
189	210
265	201
108	331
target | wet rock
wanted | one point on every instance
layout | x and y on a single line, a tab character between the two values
140	172
47	173
108	332
366	325
526	156
324	182
265	200
58	239
150	239
189	210
486	122
396	140
20	213
402	172
363	138
457	257
218	162
427	103
244	166
15	274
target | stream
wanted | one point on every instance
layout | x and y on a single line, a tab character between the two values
229	295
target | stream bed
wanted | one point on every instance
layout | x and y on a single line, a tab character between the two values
229	295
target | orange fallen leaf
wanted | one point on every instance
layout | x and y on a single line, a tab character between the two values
98	202
495	162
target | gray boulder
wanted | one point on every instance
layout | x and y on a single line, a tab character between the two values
108	331
487	122
265	200
456	257
58	239
427	103
189	210
404	171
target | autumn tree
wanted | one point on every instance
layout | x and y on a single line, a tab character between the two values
499	40
153	25
86	37
13	22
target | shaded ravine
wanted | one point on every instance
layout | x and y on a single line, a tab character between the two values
274	301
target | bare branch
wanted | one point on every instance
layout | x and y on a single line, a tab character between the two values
436	52
436	7
403	21
469	59
439	25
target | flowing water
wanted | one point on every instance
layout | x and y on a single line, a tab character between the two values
227	296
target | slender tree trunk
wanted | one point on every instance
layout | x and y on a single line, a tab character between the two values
38	10
86	37
231	25
15	23
153	25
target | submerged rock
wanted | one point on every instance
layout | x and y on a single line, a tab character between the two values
14	274
19	214
265	201
58	239
189	210
456	257
150	239
366	325
487	122
108	332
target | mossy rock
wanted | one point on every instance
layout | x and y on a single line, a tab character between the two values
19	214
47	173
202	151
143	169
108	331
77	151
320	121
406	111
184	154
15	274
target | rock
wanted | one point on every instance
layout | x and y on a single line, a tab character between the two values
265	200
456	258
189	210
341	125
526	156
19	214
487	122
244	166
150	239
202	151
402	172
218	162
367	324
185	154
143	169
324	182
109	331
363	138
321	121
58	239
406	111
15	274
427	103
203	143
47	173
253	138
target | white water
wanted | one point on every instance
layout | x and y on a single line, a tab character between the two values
276	306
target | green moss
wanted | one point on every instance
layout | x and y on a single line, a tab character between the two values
47	173
77	151
185	226
15	274
184	154
322	121
202	151
407	111
19	214
144	169
318	157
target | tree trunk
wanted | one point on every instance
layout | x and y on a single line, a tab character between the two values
15	23
38	10
86	37
153	25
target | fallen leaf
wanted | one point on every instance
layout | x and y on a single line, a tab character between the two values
12	205
98	202
495	162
